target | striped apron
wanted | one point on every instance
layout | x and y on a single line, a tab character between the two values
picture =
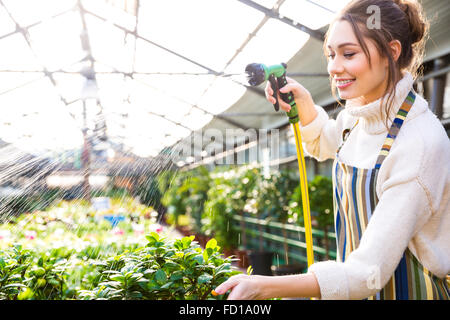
355	200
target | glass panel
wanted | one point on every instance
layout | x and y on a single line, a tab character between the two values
14	80
6	24
123	16
333	5
196	119
188	88
34	119
116	49
306	13
222	94
69	85
57	41
15	54
206	31
27	12
150	58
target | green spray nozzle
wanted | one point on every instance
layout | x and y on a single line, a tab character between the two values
276	74
258	72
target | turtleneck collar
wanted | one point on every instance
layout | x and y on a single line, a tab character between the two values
371	118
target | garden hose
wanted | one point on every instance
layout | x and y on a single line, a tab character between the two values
276	74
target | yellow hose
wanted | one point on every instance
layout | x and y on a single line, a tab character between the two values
304	192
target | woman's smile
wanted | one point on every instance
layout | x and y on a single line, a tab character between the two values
341	84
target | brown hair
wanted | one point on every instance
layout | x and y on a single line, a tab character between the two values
401	20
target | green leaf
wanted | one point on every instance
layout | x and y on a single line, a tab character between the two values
199	259
187	241
135	295
166	285
204	278
118	277
207	253
177	275
154	235
14	285
160	276
249	270
171	265
211	244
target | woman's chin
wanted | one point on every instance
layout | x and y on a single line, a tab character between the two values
346	95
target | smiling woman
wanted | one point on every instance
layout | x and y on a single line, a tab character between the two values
390	209
397	46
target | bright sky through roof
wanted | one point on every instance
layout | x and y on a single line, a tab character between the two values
153	82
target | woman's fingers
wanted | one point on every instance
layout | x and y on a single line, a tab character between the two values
290	87
269	96
238	293
284	106
269	93
227	285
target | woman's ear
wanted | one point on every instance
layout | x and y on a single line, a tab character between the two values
396	49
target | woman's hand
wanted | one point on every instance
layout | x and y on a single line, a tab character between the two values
256	287
243	287
302	97
299	92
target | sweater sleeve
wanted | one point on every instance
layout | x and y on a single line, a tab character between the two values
322	136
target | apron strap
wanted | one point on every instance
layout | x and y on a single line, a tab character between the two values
395	128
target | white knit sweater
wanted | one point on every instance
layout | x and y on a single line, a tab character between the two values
413	187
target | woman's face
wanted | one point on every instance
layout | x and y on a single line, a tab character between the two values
349	66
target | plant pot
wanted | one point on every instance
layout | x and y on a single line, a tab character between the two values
202	240
184	230
286	269
261	261
242	255
228	252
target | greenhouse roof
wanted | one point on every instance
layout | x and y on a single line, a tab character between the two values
145	73
142	75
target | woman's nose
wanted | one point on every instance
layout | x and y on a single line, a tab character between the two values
335	66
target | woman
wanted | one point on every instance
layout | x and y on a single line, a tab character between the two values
391	166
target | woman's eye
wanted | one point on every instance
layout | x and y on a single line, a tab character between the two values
331	55
349	55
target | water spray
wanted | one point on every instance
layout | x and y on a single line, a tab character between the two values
276	74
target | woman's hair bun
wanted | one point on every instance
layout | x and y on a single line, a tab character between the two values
416	19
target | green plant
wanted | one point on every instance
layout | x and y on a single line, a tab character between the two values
163	269
46	279
231	192
13	266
